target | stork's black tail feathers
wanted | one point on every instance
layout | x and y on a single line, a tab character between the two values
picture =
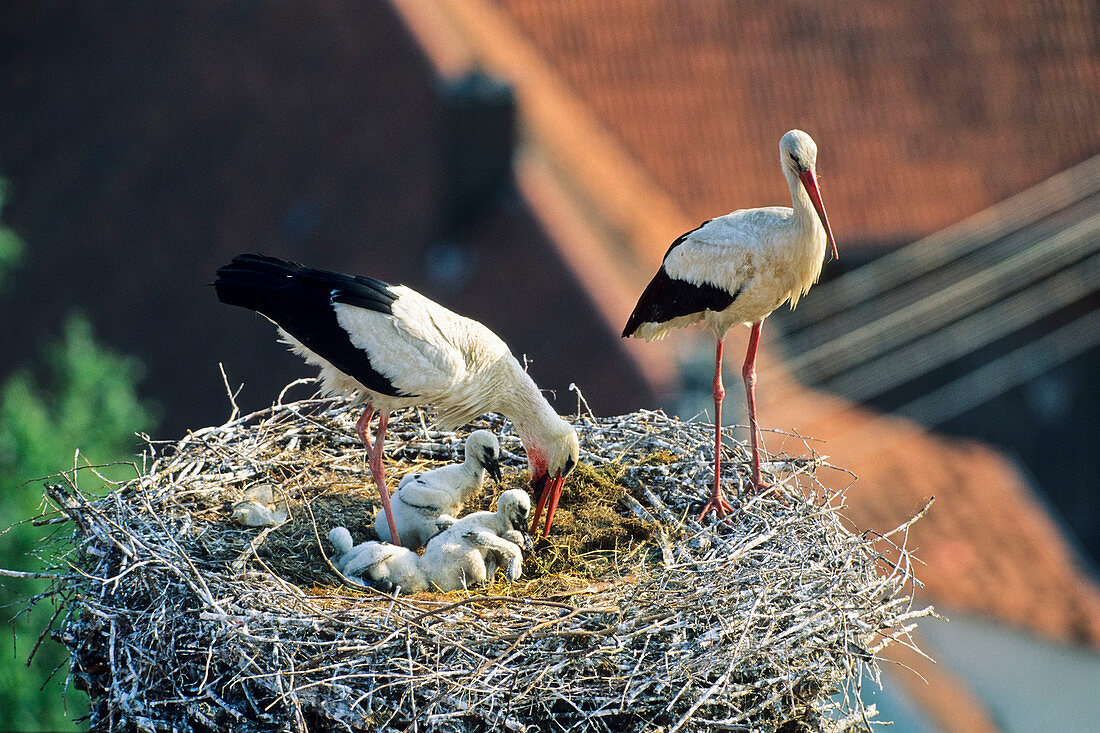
270	285
251	281
300	299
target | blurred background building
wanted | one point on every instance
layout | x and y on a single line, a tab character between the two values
527	163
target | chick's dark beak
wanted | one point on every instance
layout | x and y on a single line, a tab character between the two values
492	467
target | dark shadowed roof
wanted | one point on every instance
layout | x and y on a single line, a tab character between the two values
147	145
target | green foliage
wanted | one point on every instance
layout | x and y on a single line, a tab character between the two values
11	246
88	402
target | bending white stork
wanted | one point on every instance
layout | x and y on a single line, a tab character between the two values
739	268
388	347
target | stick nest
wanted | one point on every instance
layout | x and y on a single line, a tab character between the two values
631	616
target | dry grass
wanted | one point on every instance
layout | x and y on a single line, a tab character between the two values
631	616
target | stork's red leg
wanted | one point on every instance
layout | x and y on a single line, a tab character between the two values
362	424
748	373
717	501
376	467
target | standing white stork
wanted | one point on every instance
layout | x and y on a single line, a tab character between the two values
739	268
388	347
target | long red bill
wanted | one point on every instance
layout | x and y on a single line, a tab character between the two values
809	182
553	489
541	486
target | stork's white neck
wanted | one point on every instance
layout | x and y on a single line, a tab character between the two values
524	405
808	240
549	440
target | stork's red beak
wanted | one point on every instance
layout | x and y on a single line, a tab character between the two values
549	492
809	182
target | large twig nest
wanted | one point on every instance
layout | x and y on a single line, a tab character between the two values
631	617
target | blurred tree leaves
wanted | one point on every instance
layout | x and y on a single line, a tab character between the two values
75	395
11	246
89	402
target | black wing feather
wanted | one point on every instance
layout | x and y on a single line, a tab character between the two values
300	300
666	298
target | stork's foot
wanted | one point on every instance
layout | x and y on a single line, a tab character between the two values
718	505
761	489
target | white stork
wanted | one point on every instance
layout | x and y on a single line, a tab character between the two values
388	347
739	268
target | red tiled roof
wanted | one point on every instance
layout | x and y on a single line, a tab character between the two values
924	113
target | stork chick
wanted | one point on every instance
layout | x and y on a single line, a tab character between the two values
380	565
425	499
739	268
470	551
387	346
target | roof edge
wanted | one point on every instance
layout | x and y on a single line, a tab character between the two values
616	187
600	209
579	243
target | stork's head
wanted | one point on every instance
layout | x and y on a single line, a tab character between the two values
483	449
798	154
553	458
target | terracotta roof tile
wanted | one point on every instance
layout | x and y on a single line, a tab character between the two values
924	114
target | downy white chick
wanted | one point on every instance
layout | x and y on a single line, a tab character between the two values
377	564
423	499
470	551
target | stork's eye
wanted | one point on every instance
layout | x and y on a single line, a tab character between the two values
796	161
